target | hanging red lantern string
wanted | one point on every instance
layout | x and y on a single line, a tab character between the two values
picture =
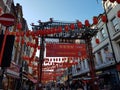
38	47
19	26
38	32
12	33
28	43
72	26
118	1
66	28
54	30
31	45
30	64
36	41
25	57
79	24
17	39
22	41
104	18
95	20
22	34
118	13
28	33
59	29
87	24
112	1
17	34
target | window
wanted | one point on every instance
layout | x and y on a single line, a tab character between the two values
100	57
109	7
96	36
95	62
115	24
108	54
104	35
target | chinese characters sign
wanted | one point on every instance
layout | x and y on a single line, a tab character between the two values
66	50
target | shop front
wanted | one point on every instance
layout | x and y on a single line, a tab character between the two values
108	79
12	77
29	81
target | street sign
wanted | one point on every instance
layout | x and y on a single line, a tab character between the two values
7	19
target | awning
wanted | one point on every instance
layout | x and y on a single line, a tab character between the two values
30	77
12	73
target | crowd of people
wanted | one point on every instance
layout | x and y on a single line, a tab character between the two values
75	85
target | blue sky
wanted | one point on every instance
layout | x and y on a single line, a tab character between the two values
63	10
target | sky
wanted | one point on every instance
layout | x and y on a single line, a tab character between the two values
60	10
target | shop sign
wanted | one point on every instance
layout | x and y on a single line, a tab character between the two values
13	69
7	19
66	50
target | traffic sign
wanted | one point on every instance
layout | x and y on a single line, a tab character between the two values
7	19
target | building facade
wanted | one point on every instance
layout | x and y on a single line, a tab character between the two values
106	50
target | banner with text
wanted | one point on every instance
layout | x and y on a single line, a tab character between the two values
66	50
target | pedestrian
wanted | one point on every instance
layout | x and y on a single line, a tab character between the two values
5	83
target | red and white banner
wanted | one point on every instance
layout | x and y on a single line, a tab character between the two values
66	50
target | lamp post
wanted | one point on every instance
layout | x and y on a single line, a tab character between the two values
41	56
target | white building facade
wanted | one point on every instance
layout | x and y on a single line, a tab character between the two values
107	52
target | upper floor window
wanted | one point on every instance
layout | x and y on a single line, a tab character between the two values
103	33
108	54
100	57
115	24
95	61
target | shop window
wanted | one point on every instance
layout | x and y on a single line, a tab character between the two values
115	24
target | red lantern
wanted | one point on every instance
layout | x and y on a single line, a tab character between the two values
17	34
104	18
118	1
22	41
19	26
59	29
97	41
112	1
66	28
17	39
36	41
79	24
22	34
87	23
118	13
72	26
95	20
27	33
38	47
